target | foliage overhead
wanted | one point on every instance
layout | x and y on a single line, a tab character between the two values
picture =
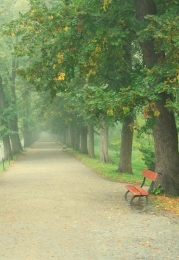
99	43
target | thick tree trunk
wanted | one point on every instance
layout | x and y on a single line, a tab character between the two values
73	137
16	144
104	156
125	163
166	148
165	132
7	148
91	141
84	134
15	139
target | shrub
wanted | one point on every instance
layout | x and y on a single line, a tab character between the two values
148	156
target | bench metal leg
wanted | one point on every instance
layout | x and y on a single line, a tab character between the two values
126	197
139	203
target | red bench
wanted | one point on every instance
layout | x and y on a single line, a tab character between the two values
136	195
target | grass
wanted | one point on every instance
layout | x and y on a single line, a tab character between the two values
109	171
3	168
7	163
168	204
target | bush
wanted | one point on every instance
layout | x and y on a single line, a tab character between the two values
157	190
148	156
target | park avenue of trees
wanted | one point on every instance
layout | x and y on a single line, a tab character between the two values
79	67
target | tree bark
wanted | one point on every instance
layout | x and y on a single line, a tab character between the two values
68	137
165	131
27	132
16	143
15	139
27	138
125	163
77	138
166	148
61	135
7	148
72	134
91	141
5	137
144	7
84	133
104	156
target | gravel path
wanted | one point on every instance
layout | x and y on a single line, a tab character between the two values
53	207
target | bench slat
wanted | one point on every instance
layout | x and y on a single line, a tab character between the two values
137	190
149	174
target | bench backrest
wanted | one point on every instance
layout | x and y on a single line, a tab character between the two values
149	174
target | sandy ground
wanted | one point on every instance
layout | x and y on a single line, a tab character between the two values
54	207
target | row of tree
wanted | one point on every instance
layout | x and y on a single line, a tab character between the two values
103	62
16	119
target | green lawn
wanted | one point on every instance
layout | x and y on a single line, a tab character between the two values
109	170
6	164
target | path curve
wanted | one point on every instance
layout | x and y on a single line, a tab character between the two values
54	207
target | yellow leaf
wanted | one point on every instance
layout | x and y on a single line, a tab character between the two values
105	3
61	76
60	57
66	28
156	113
110	112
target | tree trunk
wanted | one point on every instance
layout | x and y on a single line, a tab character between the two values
27	132
16	144
15	139
166	148
27	138
91	141
61	135
7	148
72	134
125	164
77	138
84	133
5	137
142	8
165	132
104	156
68	137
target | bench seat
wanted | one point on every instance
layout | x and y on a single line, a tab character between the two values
137	190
